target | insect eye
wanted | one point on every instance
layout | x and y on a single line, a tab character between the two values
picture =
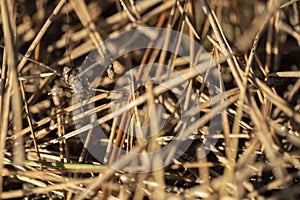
67	72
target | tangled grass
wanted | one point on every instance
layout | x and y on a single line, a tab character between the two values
255	45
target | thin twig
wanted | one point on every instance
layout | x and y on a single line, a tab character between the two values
40	34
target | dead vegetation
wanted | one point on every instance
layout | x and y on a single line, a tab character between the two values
49	115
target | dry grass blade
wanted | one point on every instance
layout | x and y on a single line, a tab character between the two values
258	24
226	50
12	94
294	74
239	113
279	102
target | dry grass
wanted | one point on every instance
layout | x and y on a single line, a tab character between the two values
255	44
